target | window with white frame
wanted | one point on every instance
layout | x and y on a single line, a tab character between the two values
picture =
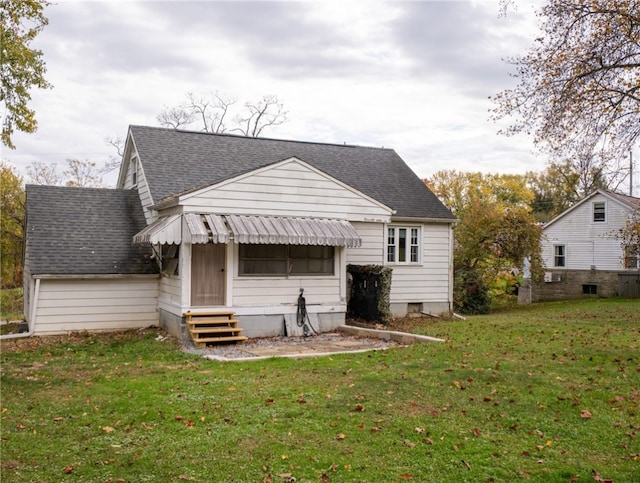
599	211
403	244
559	256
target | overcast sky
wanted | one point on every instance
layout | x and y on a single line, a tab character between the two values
412	76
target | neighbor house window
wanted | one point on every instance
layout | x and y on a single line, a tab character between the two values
631	257
559	256
282	260
599	213
403	244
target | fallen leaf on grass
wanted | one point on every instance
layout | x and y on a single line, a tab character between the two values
600	479
108	429
466	464
68	470
340	436
185	477
359	408
585	414
476	432
405	476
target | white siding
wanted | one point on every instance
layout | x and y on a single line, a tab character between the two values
96	304
290	188
249	291
586	242
428	281
372	249
410	283
141	185
170	293
283	291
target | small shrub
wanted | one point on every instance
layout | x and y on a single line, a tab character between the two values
11	304
471	293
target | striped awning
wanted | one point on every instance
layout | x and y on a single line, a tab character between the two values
293	231
208	228
167	230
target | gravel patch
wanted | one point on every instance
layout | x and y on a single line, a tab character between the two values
261	347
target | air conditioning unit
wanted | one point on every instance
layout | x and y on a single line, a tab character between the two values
548	277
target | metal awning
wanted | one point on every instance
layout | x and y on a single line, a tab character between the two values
293	231
205	228
167	230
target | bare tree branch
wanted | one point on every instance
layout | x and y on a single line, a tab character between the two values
211	113
43	174
579	83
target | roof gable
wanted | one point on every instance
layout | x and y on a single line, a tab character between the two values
178	161
288	188
74	231
628	202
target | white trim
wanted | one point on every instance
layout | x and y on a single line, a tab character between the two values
420	245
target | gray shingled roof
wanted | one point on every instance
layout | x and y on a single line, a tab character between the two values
74	231
178	161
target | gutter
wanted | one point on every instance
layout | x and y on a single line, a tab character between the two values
32	319
407	219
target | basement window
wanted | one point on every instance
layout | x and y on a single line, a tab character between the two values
589	289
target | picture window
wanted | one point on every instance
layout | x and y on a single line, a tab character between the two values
283	260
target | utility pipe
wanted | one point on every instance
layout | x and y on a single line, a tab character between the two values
32	319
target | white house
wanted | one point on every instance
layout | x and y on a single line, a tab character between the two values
581	253
238	226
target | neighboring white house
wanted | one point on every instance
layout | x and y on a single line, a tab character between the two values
581	253
240	225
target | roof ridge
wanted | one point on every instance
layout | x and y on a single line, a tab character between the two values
260	138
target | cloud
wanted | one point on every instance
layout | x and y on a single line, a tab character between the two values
461	43
413	76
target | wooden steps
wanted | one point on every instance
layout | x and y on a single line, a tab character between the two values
213	328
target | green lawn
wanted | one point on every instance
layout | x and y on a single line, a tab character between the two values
548	392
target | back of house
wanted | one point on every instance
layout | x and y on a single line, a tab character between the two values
239	227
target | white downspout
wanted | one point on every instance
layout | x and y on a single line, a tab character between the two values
32	319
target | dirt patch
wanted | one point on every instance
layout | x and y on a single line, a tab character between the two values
262	347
